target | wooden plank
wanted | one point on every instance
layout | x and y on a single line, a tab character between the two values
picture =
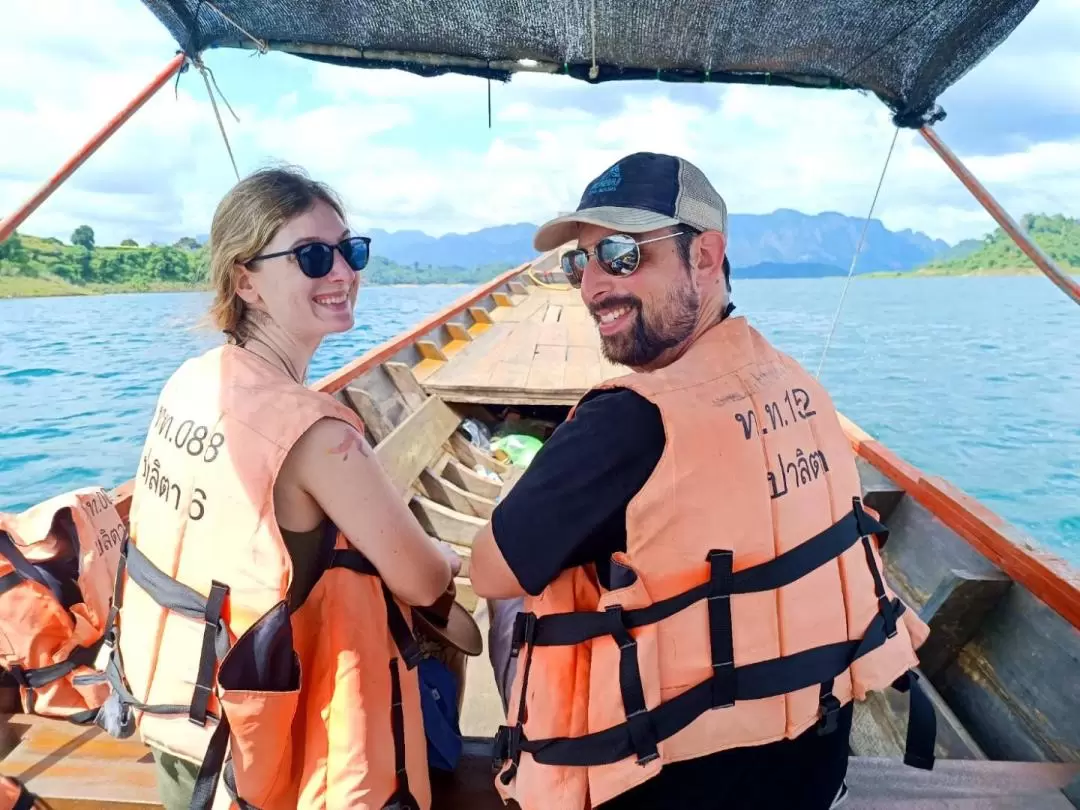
458	331
480	315
553	313
552	333
378	426
471	455
406	383
878	492
425	368
1010	684
889	784
454	347
451	495
416	441
547	368
429	351
444	522
533	305
457	473
343	376
879	727
512	370
476	362
71	766
580	364
516	394
954	612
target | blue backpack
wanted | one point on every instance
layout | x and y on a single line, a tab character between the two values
438	702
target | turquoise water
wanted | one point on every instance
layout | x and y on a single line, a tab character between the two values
975	379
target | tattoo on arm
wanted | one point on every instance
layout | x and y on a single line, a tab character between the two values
351	441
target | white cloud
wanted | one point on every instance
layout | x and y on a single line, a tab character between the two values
409	152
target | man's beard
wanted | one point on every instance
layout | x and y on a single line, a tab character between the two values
670	323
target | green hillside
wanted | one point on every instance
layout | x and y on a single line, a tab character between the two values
1058	235
35	266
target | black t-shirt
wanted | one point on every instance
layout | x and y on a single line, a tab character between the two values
569	509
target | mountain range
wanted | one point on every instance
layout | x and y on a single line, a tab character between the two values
781	244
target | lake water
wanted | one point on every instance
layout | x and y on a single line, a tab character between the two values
973	379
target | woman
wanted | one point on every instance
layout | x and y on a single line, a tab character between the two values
261	521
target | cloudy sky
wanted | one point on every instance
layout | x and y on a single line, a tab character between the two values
407	152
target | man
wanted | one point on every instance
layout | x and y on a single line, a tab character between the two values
705	667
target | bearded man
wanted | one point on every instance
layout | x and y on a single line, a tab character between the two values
701	590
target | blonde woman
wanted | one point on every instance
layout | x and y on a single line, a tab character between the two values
262	619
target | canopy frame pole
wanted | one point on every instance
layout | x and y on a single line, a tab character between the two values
1047	265
8	226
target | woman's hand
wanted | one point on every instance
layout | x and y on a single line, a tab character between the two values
451	556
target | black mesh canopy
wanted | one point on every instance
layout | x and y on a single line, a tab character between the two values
907	52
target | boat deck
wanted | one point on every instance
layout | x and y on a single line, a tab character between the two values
77	768
541	347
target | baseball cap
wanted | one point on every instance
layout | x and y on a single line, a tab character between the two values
641	192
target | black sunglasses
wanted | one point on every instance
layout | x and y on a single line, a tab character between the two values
618	255
316	258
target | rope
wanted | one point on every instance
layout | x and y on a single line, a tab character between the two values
260	44
855	258
217	113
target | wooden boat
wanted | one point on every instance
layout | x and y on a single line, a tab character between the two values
1002	660
1004	644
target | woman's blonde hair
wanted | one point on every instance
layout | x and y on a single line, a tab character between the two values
245	221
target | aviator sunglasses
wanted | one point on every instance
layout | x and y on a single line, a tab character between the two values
618	255
316	258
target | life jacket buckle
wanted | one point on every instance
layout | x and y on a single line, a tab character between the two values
888	613
828	710
506	745
524	632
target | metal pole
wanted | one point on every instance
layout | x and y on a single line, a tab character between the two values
1068	285
8	226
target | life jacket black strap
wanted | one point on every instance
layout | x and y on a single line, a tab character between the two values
721	641
204	680
23	567
402	798
642	734
42	676
202	795
175	596
777	676
565	629
922	723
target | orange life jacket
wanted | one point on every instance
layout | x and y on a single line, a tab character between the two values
316	693
15	796
57	563
748	607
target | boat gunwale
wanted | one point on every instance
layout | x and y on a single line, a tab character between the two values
1044	574
1047	576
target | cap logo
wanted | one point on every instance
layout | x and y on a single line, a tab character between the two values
608	181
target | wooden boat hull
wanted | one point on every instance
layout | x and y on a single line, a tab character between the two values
1004	645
